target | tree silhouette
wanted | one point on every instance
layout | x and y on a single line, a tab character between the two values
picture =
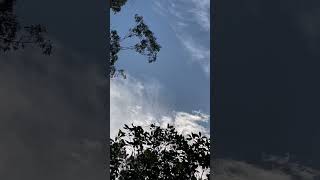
146	44
160	153
14	36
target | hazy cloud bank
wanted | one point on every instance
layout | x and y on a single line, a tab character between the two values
143	103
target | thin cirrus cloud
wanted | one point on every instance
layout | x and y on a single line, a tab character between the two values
190	19
141	103
201	13
199	53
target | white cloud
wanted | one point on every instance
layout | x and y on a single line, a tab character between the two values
141	103
189	19
192	11
187	122
198	52
201	12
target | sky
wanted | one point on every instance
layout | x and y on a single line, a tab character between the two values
266	90
176	88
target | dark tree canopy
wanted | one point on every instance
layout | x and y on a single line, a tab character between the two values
146	44
117	4
158	154
14	36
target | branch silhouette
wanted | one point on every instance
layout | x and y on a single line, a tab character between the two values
146	44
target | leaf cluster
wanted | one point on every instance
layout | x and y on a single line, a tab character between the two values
158	153
116	5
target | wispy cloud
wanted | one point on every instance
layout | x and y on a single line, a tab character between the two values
198	52
191	11
201	12
190	19
141	103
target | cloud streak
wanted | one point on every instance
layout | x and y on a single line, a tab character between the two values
201	12
190	19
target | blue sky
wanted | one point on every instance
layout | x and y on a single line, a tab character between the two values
177	85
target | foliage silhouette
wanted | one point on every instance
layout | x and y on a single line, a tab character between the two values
14	36
116	5
147	44
158	153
